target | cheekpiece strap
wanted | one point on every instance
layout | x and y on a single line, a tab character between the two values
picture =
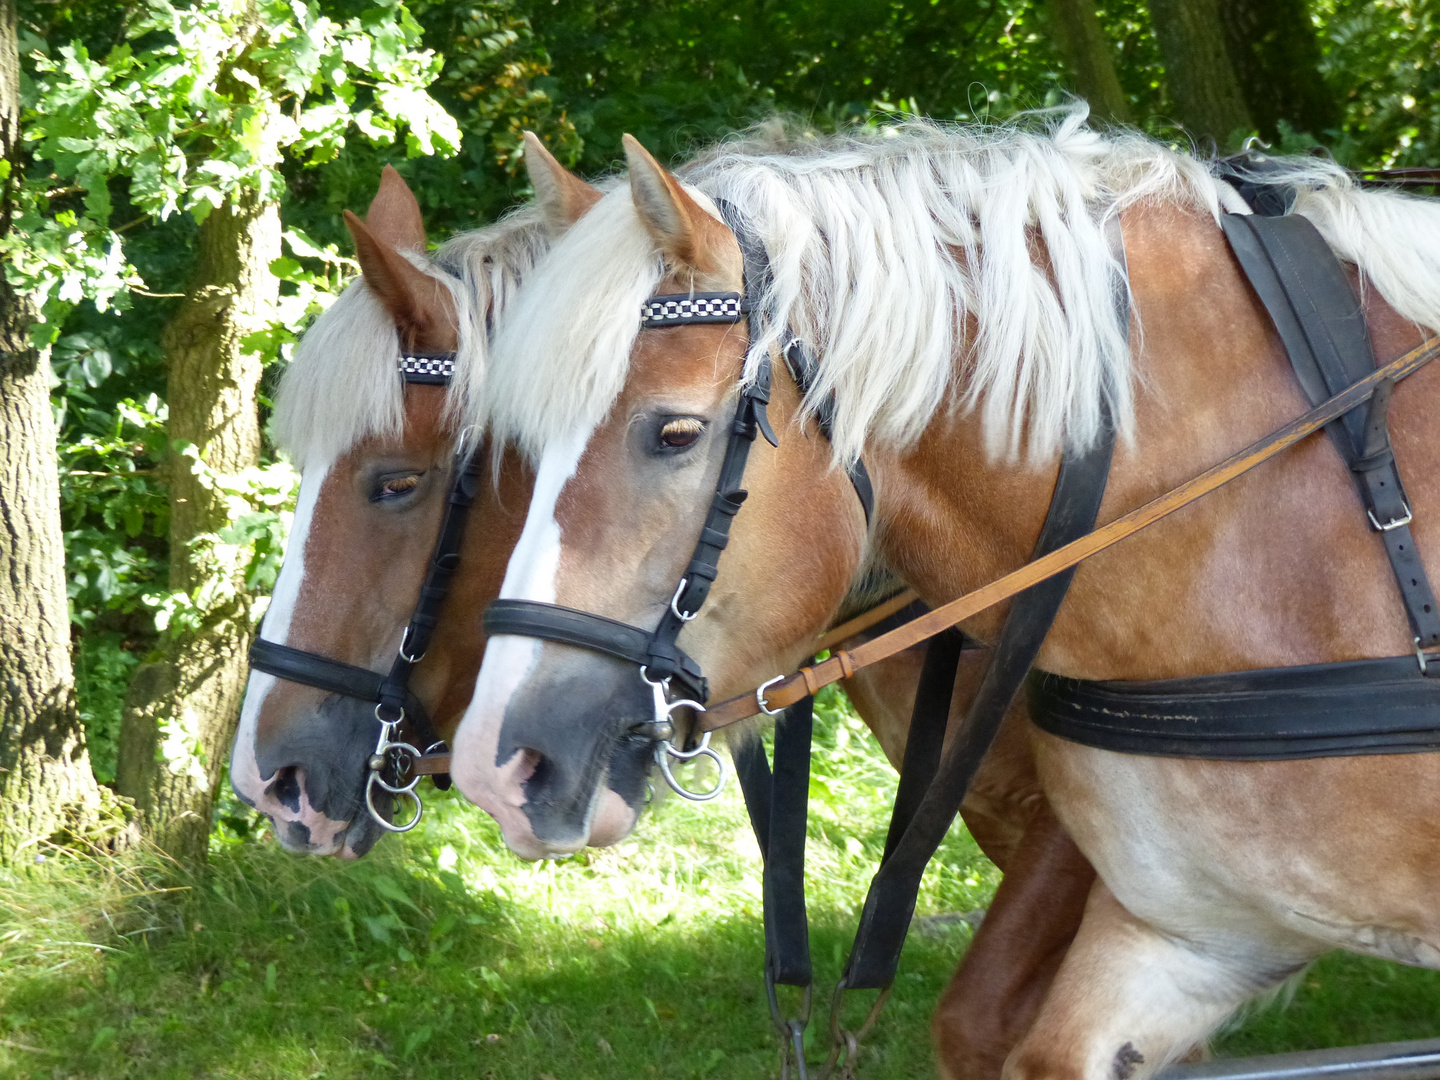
684	309
433	369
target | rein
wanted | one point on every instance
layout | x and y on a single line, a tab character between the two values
391	766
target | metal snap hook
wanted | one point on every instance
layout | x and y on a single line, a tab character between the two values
379	818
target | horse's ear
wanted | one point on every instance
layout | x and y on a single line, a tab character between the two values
680	226
394	216
422	308
562	196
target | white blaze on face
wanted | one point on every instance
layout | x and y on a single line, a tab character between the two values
531	575
244	770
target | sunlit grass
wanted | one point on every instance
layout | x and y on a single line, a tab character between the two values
441	955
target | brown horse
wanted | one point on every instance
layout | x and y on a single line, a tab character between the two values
957	287
368	515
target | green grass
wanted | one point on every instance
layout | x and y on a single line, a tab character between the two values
442	956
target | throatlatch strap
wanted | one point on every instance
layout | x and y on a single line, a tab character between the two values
1322	325
778	805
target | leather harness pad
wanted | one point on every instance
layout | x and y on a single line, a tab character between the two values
1320	710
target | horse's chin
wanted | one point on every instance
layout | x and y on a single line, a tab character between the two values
614	820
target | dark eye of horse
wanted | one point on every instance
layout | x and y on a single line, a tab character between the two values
681	432
395	486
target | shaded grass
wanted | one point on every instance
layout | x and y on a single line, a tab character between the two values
442	956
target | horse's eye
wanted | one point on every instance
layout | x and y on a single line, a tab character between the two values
681	432
395	486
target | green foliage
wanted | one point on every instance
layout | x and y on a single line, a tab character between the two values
1384	58
196	107
114	509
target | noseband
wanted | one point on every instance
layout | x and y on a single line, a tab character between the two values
662	663
391	766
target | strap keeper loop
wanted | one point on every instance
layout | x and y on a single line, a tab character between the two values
808	674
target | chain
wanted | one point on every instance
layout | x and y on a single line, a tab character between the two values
845	1045
791	1030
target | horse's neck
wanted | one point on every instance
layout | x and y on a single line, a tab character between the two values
1277	568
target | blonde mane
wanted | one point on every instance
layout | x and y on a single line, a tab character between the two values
895	252
343	385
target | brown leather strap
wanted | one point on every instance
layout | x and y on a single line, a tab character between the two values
793	687
879	613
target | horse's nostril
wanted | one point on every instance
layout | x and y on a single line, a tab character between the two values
531	765
285	788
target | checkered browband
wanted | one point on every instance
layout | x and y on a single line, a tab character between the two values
684	309
435	370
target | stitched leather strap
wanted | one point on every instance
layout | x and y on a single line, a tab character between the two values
1322	325
569	626
322	673
1382	706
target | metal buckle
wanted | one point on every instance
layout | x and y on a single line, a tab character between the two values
1422	659
674	600
1393	523
760	696
405	644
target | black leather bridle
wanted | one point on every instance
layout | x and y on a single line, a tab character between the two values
396	706
661	661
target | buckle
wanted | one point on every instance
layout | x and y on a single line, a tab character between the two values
1422	659
1393	523
760	696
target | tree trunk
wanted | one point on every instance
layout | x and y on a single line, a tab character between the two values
47	790
180	712
1199	75
1086	49
1276	54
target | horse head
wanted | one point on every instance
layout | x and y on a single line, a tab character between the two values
379	451
633	434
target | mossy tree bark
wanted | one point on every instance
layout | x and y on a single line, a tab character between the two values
1087	50
47	790
1276	54
1199	74
180	712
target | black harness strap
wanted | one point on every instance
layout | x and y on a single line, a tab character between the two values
932	787
1384	706
1321	322
918	825
778	806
